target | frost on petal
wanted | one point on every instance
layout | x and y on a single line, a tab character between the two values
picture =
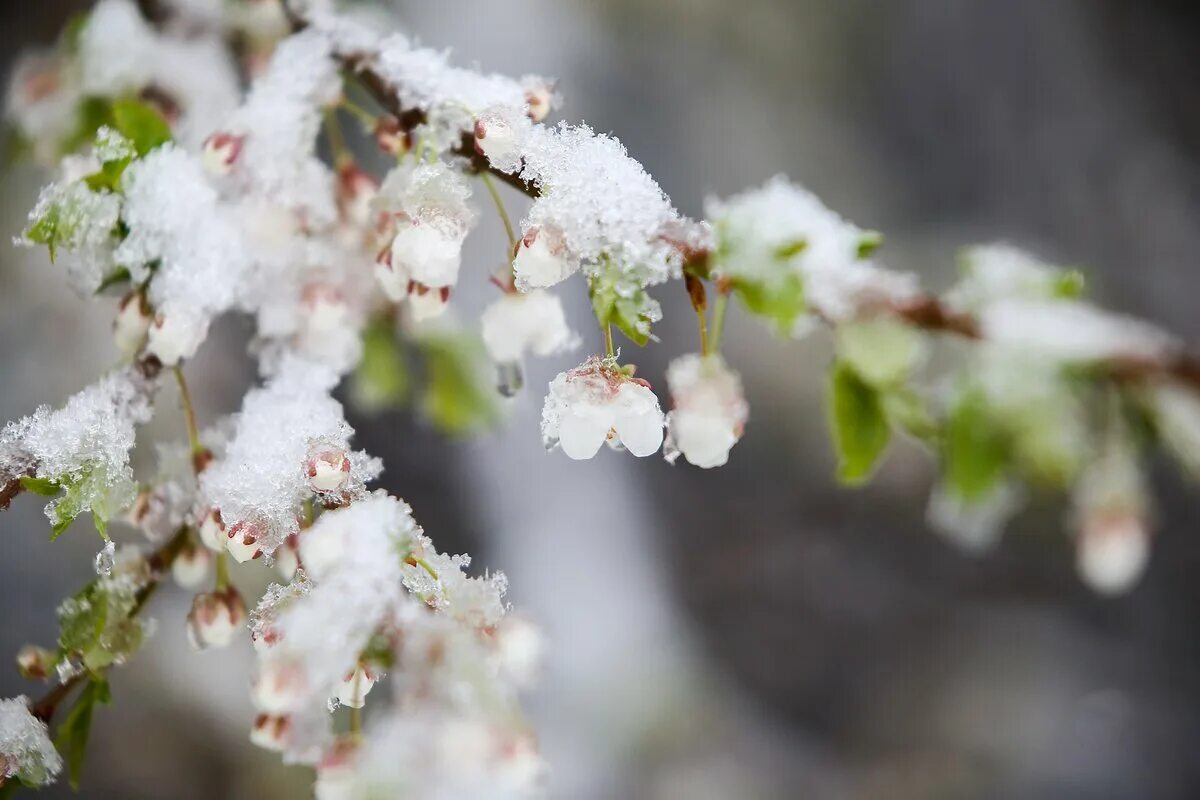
542	259
516	323
262	479
708	411
26	752
639	420
71	219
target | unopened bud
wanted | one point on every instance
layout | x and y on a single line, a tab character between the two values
1112	551
542	259
356	192
34	662
326	308
215	618
132	323
539	99
190	567
495	139
212	531
328	469
335	771
428	302
280	686
221	152
390	137
520	645
287	557
393	278
244	541
352	691
271	731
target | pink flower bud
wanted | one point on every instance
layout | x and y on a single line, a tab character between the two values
542	259
352	691
356	192
215	618
539	99
190	567
34	662
335	771
328	469
281	685
243	541
271	732
1112	551
389	136
326	308
132	323
495	139
428	302
212	531
287	557
221	152
393	278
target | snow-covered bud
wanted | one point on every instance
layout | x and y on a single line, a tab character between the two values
287	557
596	403
539	100
335	772
244	541
328	469
26	752
1111	552
34	662
534	321
427	302
191	565
280	686
495	139
325	307
709	410
521	646
542	259
393	277
428	250
132	323
356	194
353	689
221	152
212	531
215	618
271	731
174	337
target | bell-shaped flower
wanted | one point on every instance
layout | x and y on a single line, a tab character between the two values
597	403
215	618
534	322
708	411
542	259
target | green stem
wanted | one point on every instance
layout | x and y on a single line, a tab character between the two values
718	326
337	142
508	226
608	340
368	119
189	413
703	331
222	571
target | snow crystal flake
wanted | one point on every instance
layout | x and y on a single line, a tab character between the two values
26	752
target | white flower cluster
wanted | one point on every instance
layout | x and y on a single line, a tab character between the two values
290	443
597	403
26	752
708	410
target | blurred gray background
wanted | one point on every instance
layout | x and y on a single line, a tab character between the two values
754	631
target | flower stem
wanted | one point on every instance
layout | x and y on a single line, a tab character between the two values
608	340
703	331
222	571
368	119
718	326
337	142
189	413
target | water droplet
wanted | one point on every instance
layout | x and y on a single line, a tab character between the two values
510	379
105	559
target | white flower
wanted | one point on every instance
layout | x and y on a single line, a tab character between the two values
176	335
352	691
328	469
1112	551
244	541
427	302
271	731
212	531
542	259
215	618
430	250
393	278
131	324
281	685
495	138
191	565
221	152
287	557
709	410
597	403
356	194
521	646
539	99
534	321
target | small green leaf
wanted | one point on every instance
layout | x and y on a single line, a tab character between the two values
60	527
629	312
382	379
780	304
791	249
869	243
882	350
91	115
975	451
47	229
907	411
40	486
76	728
860	427
1069	285
140	124
109	176
458	396
117	276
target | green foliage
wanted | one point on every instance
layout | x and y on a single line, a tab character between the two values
780	303
975	449
869	243
883	350
51	228
141	124
860	426
458	396
627	309
40	486
96	628
1069	285
75	730
382	379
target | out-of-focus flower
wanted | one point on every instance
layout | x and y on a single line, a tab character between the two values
708	412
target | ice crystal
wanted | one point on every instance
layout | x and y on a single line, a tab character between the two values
26	752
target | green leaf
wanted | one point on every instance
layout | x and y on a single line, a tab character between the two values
907	411
869	243
458	397
628	311
117	276
109	176
40	486
382	379
141	124
860	427
883	350
48	229
791	249
1069	285
780	303
91	115
76	729
975	451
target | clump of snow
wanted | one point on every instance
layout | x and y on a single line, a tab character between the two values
26	752
997	272
84	222
261	481
1073	331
